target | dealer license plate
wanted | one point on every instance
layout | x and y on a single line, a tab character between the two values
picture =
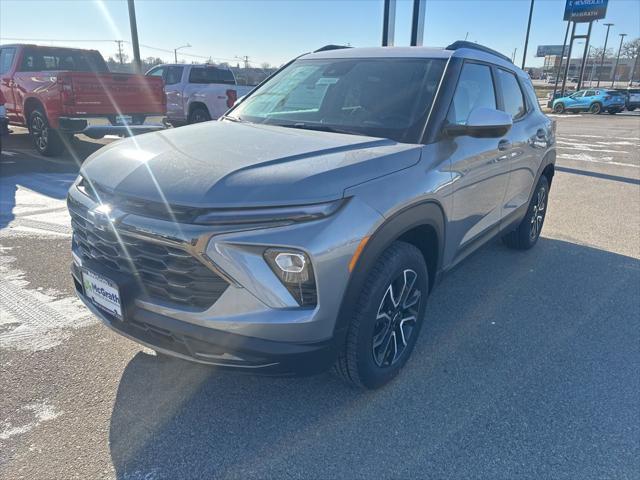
102	292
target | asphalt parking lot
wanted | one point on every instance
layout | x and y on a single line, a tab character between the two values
527	366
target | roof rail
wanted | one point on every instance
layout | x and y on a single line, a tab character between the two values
330	47
464	44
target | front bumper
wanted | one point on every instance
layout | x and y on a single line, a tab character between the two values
214	347
97	127
255	323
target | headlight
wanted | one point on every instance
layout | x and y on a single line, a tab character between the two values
295	271
268	215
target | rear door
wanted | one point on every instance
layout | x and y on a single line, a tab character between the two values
526	140
480	178
173	88
588	98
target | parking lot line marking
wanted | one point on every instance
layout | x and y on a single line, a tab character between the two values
583	157
585	148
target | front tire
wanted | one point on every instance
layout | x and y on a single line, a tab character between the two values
45	139
595	108
528	231
387	319
613	111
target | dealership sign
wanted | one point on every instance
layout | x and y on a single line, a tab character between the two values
585	10
544	50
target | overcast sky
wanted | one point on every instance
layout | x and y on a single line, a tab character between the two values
274	31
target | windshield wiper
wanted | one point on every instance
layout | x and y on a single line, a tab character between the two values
315	126
234	119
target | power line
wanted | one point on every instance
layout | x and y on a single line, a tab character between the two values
119	42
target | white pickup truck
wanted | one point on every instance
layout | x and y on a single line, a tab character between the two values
197	92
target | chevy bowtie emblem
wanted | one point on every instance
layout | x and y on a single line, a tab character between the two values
101	216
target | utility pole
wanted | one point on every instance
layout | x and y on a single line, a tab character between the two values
137	64
119	42
566	67
526	40
604	51
615	69
245	59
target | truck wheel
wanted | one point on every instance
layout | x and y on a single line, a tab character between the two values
46	140
526	235
595	108
558	108
387	318
631	109
613	111
199	114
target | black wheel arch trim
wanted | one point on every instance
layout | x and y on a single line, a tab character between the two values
427	213
198	104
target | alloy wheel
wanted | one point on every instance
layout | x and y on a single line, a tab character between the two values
537	216
396	318
40	132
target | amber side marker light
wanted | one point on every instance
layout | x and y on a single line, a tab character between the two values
357	253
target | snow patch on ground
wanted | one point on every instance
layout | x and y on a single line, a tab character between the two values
34	319
37	412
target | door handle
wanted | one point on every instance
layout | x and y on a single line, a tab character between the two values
504	145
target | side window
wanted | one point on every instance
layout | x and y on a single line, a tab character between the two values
590	93
174	75
6	59
578	94
474	90
156	72
211	75
30	62
511	94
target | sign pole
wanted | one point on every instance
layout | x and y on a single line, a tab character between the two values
137	64
604	52
559	69
566	67
585	55
417	23
615	69
388	23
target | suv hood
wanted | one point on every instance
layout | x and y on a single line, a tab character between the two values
224	164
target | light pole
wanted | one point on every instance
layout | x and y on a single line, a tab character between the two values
175	51
526	40
615	69
604	52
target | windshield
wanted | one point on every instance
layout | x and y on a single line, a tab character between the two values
386	97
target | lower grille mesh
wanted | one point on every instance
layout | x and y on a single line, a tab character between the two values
165	273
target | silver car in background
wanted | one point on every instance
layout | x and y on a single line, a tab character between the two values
307	227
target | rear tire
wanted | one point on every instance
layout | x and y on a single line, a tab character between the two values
613	111
528	231
595	108
199	114
558	108
387	319
631	109
45	139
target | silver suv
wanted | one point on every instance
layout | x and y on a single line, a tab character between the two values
307	227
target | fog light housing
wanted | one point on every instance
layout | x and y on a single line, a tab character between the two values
295	271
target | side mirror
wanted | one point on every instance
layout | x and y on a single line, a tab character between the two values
483	122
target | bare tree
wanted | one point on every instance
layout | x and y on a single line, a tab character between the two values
630	48
597	52
265	65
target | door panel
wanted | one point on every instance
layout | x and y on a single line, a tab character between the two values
479	175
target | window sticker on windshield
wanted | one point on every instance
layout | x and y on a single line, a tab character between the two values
327	80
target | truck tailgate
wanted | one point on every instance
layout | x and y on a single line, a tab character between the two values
116	93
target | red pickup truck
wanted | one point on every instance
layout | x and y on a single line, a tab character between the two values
58	92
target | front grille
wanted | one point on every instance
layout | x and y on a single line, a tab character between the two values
164	273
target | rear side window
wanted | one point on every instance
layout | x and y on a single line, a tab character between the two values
173	76
53	59
211	75
474	90
156	72
6	59
512	96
